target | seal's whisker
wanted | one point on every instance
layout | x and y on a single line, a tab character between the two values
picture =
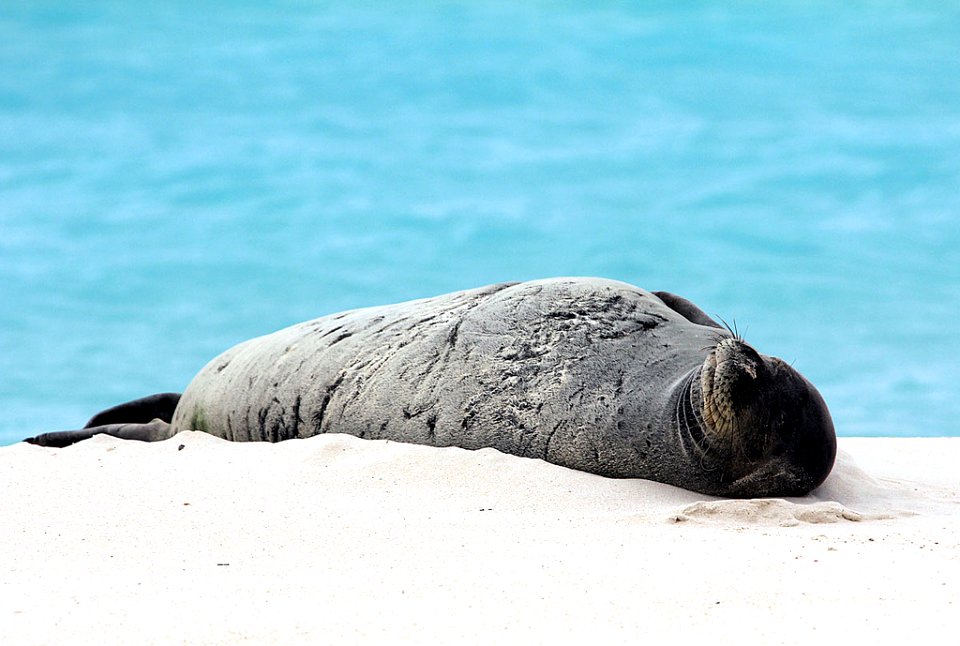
682	404
725	324
709	449
732	329
676	419
685	401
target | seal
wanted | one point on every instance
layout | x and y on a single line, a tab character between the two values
588	373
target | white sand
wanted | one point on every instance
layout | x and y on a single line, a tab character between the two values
341	540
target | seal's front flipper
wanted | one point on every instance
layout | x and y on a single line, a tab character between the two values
138	411
687	309
151	432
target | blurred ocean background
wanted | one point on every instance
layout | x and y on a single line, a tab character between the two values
176	177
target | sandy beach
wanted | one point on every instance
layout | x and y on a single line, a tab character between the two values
335	539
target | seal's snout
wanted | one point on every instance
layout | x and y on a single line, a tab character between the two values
727	384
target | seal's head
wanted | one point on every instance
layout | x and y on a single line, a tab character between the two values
768	422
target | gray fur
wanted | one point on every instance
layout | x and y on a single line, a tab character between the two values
588	373
579	372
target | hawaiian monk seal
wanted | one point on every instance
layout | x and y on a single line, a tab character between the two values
591	374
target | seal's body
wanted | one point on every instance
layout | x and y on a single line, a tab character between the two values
592	374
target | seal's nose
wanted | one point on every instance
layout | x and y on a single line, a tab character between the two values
734	356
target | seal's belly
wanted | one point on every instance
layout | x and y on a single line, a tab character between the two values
574	371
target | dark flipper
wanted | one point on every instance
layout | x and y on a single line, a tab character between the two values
138	411
686	309
147	419
158	429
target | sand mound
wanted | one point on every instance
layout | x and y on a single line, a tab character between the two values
769	511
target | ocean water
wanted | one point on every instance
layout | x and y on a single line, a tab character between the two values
176	177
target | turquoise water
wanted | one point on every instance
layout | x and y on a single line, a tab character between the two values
178	177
